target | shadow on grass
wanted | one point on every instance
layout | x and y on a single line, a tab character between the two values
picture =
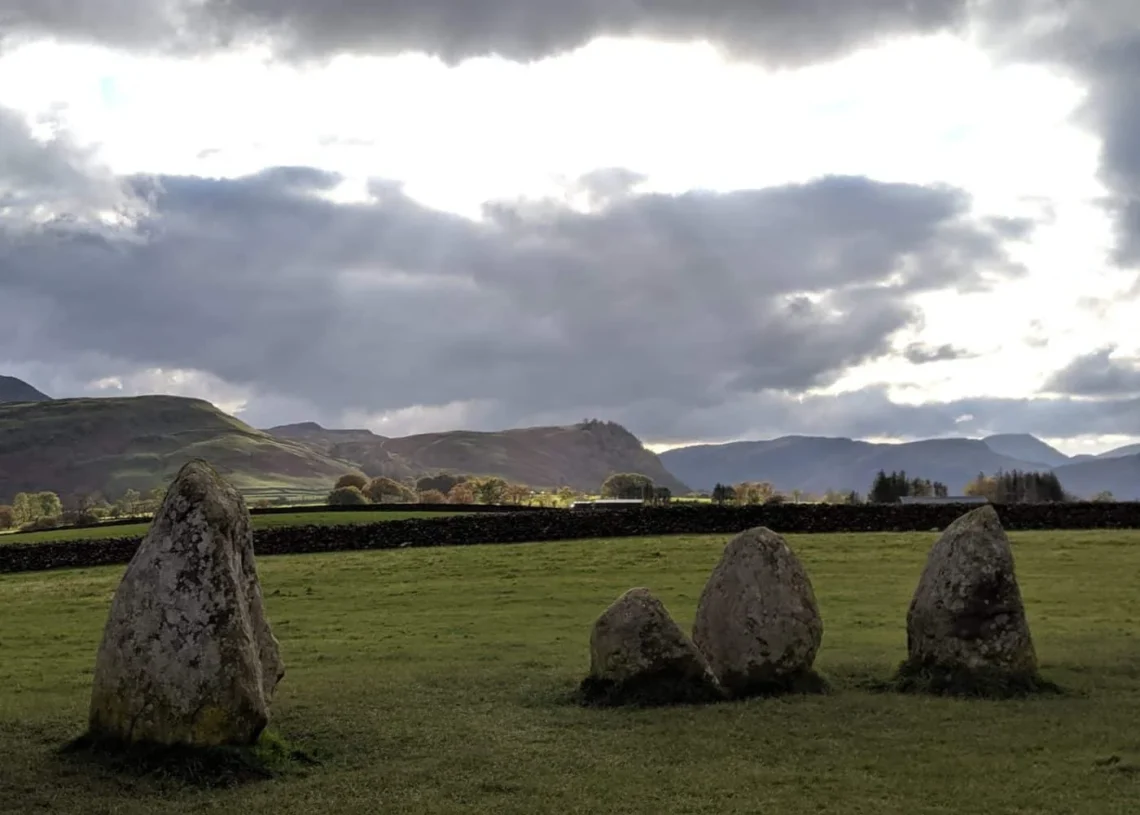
663	689
802	683
940	680
666	689
202	767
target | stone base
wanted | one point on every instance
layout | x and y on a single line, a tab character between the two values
653	690
945	680
803	683
203	767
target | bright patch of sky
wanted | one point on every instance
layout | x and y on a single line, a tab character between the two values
929	110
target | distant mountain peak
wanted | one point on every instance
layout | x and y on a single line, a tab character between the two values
1025	447
17	390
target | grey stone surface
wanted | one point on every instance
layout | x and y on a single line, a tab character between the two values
758	622
187	655
639	655
967	613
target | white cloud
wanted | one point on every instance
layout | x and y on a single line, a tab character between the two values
923	110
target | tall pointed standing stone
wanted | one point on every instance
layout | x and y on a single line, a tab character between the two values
966	626
187	656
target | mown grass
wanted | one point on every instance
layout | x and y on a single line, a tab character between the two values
259	522
438	680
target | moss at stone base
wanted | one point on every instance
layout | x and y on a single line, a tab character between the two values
802	683
943	680
206	767
653	690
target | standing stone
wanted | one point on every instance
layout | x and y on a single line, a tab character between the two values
187	656
757	622
640	656
966	626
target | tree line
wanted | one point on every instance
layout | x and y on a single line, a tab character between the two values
357	489
45	510
762	492
1004	487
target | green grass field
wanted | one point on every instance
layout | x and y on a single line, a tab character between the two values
436	681
259	522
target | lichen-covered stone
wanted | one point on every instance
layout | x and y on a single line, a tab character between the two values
640	656
187	656
967	622
757	621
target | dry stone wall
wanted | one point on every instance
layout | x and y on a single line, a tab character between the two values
551	525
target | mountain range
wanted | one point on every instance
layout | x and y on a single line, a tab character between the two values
109	445
580	456
815	464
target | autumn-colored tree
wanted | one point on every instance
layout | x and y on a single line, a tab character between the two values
516	493
49	505
753	492
386	490
491	490
1017	487
566	495
462	494
128	503
358	480
432	497
983	485
31	506
7	517
347	497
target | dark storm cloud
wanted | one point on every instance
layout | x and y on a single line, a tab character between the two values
918	353
1097	374
138	23
774	31
693	300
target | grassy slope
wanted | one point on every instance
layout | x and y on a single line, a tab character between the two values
433	681
84	445
259	522
581	456
321	438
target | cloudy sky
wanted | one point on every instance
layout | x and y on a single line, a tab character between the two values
705	219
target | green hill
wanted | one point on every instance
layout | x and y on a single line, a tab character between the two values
581	456
80	446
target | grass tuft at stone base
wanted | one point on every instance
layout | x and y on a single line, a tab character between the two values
940	680
203	767
656	690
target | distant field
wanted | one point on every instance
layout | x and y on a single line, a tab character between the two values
436	681
259	522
